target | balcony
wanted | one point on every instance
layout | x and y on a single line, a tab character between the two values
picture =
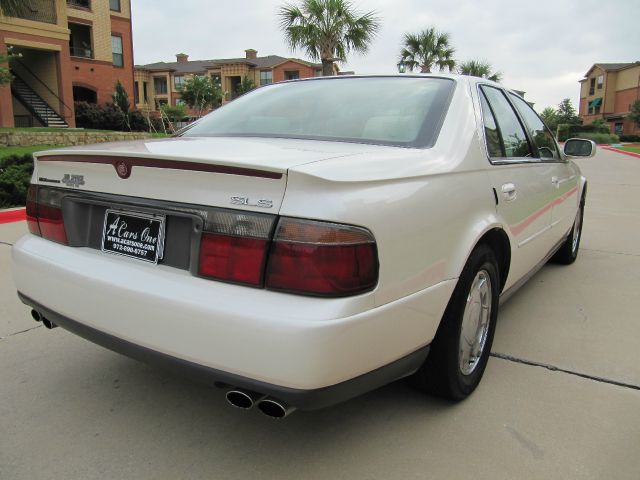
80	40
81	52
79	3
39	11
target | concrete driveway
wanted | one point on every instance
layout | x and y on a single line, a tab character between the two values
560	397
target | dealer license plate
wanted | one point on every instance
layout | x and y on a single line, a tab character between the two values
135	235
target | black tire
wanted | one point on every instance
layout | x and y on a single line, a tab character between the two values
441	374
568	252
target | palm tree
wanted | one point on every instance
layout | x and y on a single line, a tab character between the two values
426	50
328	30
479	68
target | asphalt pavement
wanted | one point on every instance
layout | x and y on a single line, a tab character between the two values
560	397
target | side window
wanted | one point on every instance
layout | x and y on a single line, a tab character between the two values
491	133
539	132
511	132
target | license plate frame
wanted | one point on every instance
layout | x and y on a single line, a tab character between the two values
133	242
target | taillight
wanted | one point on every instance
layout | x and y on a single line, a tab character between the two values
44	213
32	210
234	246
319	258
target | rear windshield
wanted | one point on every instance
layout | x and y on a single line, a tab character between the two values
403	111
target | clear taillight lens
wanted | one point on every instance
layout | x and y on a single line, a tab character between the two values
319	258
44	213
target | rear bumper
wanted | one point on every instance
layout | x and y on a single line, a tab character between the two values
311	352
299	398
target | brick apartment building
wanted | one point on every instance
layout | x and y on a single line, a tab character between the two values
607	92
65	50
158	83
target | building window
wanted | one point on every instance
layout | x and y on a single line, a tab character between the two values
178	81
179	102
266	77
136	94
592	86
160	85
291	75
160	102
116	49
145	97
80	40
618	128
114	5
79	3
600	81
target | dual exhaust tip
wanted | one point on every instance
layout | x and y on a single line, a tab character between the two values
237	397
38	317
271	407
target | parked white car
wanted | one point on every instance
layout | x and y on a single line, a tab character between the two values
309	241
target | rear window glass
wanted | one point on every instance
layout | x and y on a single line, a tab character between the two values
405	111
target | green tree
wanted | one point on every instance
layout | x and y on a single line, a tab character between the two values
566	113
550	117
175	113
479	68
327	30
5	74
121	102
634	113
246	85
427	50
201	93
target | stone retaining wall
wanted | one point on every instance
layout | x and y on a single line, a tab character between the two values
72	137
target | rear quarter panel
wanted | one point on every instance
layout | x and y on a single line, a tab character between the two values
426	207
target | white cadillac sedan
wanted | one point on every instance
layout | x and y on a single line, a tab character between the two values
309	241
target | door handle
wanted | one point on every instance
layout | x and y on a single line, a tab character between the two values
509	192
555	181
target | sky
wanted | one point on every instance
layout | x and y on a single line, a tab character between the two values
543	47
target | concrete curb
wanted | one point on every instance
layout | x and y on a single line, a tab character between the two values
13	215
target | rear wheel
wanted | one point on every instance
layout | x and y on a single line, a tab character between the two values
461	347
568	252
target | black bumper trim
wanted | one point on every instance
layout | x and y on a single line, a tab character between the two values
302	399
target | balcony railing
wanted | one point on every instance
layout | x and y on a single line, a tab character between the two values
81	52
79	3
39	11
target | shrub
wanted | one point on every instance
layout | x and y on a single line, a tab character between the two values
599	137
101	117
15	175
566	131
630	138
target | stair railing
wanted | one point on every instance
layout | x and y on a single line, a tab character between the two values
64	106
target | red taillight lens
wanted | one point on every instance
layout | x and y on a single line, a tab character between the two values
233	259
234	247
32	210
317	258
44	213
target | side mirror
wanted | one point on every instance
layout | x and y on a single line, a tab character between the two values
579	147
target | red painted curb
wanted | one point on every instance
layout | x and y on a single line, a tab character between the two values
631	154
13	216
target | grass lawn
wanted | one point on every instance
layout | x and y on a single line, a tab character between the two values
632	149
8	151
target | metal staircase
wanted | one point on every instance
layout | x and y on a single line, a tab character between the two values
35	104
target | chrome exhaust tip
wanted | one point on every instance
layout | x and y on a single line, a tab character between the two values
275	408
36	315
244	399
48	323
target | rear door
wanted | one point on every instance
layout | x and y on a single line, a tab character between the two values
521	181
564	177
